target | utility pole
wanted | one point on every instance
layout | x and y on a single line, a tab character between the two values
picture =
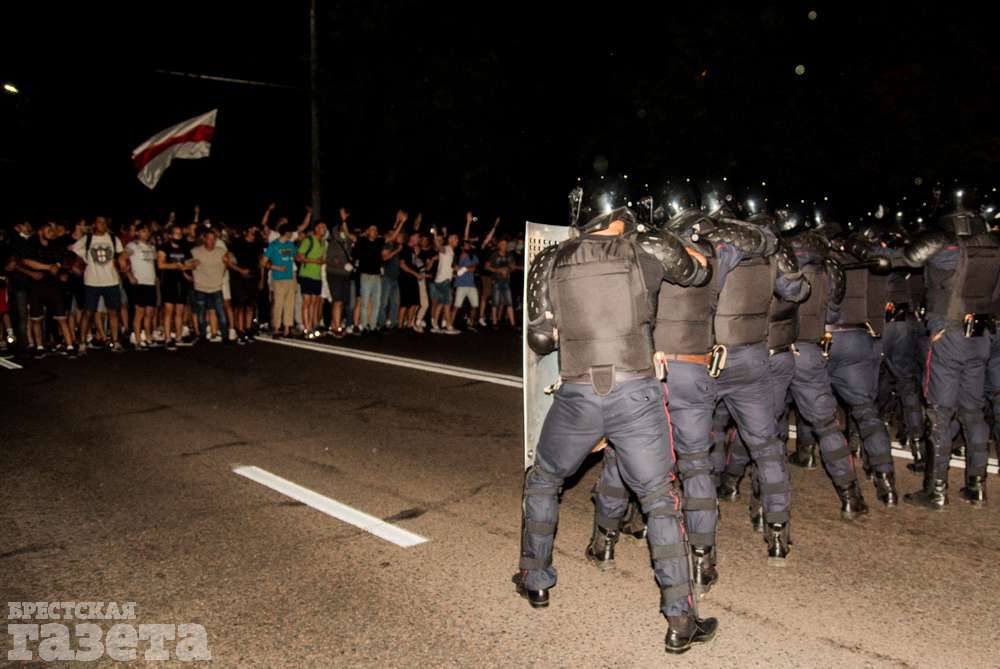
315	172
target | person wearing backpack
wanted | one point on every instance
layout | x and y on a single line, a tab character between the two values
311	257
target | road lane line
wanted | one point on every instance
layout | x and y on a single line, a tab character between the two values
411	363
9	365
330	507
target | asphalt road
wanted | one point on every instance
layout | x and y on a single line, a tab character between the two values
118	485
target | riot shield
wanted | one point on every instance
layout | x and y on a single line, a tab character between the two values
539	372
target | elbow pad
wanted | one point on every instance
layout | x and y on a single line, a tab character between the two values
925	246
678	266
747	238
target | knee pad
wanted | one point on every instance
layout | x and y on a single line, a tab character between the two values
689	471
540	482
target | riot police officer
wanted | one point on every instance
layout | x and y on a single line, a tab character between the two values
811	388
590	297
855	355
732	345
782	328
962	265
901	339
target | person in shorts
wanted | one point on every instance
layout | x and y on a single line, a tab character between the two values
43	258
339	268
141	278
174	261
502	264
102	253
244	281
311	257
465	284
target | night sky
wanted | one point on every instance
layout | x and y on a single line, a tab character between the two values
497	107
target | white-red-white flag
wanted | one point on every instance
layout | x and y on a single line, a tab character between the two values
190	139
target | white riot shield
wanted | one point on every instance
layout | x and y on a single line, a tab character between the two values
539	371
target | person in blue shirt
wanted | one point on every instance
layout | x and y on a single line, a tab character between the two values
280	256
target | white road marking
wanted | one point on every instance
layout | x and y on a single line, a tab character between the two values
900	452
331	507
412	363
9	365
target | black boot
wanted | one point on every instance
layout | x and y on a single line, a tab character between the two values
704	573
686	630
538	599
916	446
804	456
852	503
933	496
885	488
756	514
778	543
729	487
974	491
601	550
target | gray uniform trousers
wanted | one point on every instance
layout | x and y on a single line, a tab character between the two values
633	417
954	386
817	413
746	389
690	395
853	368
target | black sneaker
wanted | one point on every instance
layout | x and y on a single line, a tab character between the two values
39	353
172	344
241	341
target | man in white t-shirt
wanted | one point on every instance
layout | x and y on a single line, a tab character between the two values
141	277
103	254
441	288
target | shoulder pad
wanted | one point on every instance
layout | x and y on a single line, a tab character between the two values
538	277
812	243
920	250
838	280
785	258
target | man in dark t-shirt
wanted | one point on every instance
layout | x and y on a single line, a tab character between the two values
244	281
44	258
174	261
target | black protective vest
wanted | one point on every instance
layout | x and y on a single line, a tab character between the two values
684	317
812	312
782	323
744	303
971	288
600	304
907	287
865	299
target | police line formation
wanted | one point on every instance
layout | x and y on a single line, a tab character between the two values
696	307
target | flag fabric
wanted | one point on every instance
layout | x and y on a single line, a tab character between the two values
189	139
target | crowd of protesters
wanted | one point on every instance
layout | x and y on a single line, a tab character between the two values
66	288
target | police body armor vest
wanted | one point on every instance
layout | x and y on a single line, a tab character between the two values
601	307
782	323
907	287
865	300
971	288
744	303
812	312
684	316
